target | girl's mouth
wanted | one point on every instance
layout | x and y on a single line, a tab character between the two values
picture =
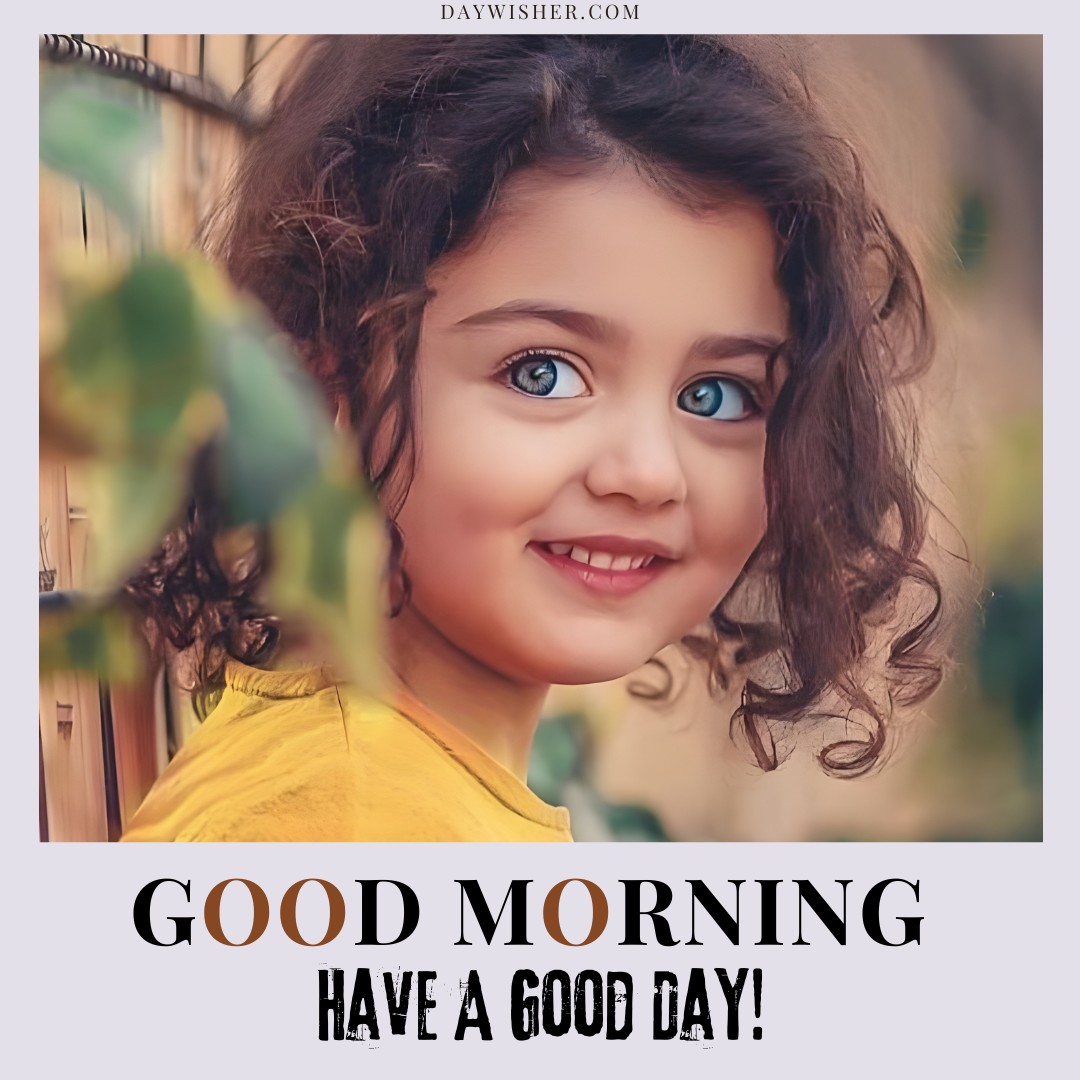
600	570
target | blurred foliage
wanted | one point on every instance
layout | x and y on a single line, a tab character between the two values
971	231
982	771
998	728
327	545
1009	661
1011	499
90	638
556	755
558	774
276	443
153	363
100	132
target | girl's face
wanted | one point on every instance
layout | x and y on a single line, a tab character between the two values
592	403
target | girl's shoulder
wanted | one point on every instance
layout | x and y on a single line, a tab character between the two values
266	764
298	756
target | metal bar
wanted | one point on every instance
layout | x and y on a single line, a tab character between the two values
200	94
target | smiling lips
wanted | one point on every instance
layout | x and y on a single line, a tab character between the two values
606	564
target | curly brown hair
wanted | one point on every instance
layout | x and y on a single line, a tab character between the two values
383	154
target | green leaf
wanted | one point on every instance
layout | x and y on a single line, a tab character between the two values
327	553
971	231
1009	650
134	357
633	823
130	384
133	504
556	755
98	131
93	639
1009	499
278	436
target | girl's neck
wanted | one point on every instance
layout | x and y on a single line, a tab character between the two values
496	713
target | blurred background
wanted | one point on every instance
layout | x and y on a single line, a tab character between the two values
952	130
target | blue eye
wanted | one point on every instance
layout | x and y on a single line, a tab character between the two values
718	399
543	374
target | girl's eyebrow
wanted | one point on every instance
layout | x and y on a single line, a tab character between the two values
728	346
595	327
598	328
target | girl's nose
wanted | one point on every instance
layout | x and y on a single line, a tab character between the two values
638	459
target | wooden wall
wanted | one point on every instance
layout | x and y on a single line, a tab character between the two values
102	747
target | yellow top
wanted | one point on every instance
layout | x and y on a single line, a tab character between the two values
291	755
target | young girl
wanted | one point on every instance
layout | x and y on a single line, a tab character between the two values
618	330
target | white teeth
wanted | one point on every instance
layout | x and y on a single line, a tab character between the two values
601	560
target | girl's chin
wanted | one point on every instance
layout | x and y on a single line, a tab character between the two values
587	666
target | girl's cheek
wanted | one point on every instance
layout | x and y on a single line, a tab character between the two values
730	518
494	467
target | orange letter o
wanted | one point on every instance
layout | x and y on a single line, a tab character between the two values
337	912
551	912
260	915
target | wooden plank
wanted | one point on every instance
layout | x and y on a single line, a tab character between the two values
107	240
134	709
125	43
134	717
69	715
175	178
43	810
60	216
106	237
78	527
224	64
60	213
275	57
60	240
224	60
